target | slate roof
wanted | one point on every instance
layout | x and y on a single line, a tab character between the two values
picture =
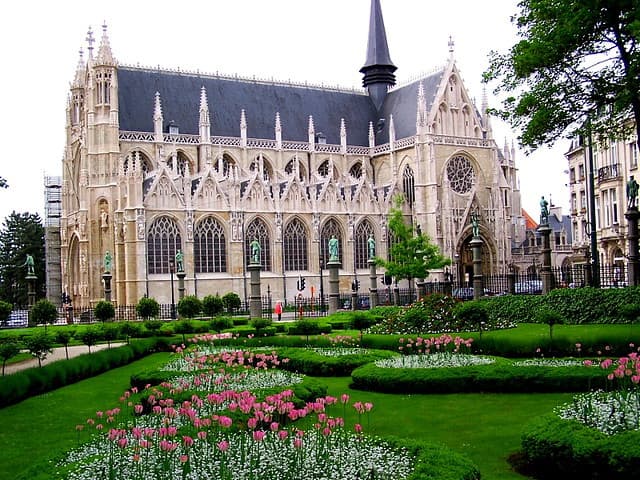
180	100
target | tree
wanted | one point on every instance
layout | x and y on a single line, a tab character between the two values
3	183
89	337
104	311
189	306
5	310
8	350
20	234
39	345
412	256
63	337
44	312
212	305
231	301
576	67
147	307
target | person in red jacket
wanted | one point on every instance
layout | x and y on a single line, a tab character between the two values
278	310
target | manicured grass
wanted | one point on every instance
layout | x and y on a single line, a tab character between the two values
485	427
44	426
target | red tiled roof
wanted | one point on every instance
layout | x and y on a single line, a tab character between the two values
530	222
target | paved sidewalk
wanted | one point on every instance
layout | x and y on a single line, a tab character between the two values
58	354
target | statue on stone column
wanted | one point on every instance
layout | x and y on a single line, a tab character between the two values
371	243
107	261
179	261
333	248
544	211
104	219
30	264
632	193
475	224
255	251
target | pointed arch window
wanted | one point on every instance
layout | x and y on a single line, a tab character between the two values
408	185
163	241
225	163
209	247
258	229
266	168
290	166
356	170
103	88
295	246
363	230
138	157
329	229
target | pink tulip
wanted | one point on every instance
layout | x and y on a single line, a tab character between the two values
223	446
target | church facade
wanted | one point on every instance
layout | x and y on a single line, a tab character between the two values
160	161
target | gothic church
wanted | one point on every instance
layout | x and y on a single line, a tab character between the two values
158	161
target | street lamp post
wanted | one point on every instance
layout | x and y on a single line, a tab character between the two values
173	300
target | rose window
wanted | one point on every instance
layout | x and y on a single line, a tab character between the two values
461	174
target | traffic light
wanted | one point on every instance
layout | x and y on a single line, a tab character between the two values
357	285
303	283
387	279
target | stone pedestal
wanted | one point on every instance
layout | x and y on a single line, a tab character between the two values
511	282
334	285
255	297
373	284
31	289
181	276
354	300
547	277
422	289
633	268
476	247
106	281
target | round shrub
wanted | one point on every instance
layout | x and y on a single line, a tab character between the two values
260	323
212	305
231	301
43	312
189	306
147	307
306	327
104	311
219	324
471	315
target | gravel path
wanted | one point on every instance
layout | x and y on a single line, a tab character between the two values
58	354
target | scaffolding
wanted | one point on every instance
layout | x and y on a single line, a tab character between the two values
52	214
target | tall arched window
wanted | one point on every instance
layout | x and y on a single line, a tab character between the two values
226	162
267	173
302	172
295	246
408	185
138	157
356	170
163	241
329	229
209	247
363	230
258	229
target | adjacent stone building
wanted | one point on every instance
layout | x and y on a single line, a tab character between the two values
158	161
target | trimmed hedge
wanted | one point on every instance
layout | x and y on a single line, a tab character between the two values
576	305
557	448
435	461
500	377
310	362
35	381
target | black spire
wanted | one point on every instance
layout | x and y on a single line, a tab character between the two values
378	68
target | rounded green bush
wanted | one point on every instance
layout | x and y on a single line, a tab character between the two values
189	306
104	311
147	307
212	305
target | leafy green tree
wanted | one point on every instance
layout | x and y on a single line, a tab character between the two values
63	337
90	337
183	327
39	345
574	59
44	312
5	310
130	329
147	307
3	183
189	306
110	332
21	234
231	301
8	350
104	311
212	305
412	256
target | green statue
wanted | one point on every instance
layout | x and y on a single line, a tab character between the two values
632	193
255	251
544	211
107	261
333	248
371	243
179	261
30	264
475	224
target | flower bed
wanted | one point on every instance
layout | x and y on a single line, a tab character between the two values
236	434
330	361
592	436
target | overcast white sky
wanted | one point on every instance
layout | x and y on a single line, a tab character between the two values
285	39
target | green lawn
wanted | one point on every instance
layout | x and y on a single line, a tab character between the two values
484	427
